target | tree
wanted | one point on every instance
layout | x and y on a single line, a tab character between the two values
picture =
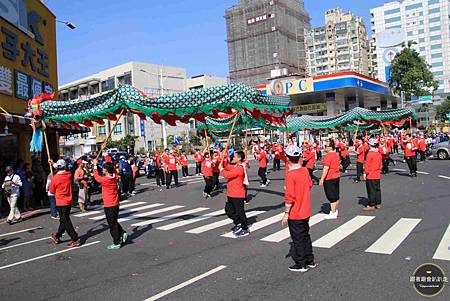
411	74
444	109
124	144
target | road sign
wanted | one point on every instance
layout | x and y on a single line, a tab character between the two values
426	99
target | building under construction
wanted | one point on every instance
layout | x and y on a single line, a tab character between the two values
266	38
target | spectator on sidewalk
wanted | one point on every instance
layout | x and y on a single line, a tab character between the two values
11	185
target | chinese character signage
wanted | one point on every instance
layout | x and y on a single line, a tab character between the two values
6	80
22	87
36	86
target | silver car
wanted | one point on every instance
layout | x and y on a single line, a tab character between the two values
441	150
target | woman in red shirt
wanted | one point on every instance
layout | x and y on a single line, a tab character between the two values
261	156
207	171
234	207
110	195
184	164
410	155
330	178
372	176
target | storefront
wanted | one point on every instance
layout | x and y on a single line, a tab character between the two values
28	67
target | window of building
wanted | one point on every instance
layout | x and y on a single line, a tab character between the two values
125	79
413	6
438	73
118	129
435	38
436	55
94	89
421	31
435	19
421	49
437	64
392	20
421	40
108	84
437	46
410	33
433	2
394	27
101	131
434	10
131	128
391	11
421	22
73	94
435	28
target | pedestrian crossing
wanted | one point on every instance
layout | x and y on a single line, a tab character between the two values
267	226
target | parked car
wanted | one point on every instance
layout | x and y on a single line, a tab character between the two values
441	150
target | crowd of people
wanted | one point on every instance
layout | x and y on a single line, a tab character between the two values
117	177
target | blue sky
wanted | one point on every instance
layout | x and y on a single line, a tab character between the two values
184	33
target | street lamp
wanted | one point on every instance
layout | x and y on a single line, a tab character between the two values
161	88
68	24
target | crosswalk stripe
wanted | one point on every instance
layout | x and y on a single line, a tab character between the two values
444	177
398	169
192	220
423	172
219	224
393	237
443	250
169	217
284	234
21	231
341	232
149	213
100	211
24	243
97	218
258	225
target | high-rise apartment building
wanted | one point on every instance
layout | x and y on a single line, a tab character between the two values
341	45
425	22
266	35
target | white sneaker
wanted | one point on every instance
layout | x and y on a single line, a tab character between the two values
268	182
262	185
332	215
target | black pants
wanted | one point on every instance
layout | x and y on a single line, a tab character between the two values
198	168
184	170
373	192
216	180
422	155
412	164
385	168
170	174
160	177
116	231
301	250
209	185
125	183
262	174
359	170
313	177
276	164
234	208
65	224
132	185
345	162
395	149
319	155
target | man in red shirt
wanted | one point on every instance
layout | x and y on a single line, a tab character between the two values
385	152
207	171
234	207
372	176
415	142
198	162
422	147
297	211
61	187
276	150
309	161
172	169
345	158
110	195
160	174
410	155
216	158
261	156
184	164
330	178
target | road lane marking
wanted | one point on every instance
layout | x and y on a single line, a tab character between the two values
191	220
219	224
24	243
284	234
398	169
444	177
101	211
423	172
169	217
48	255
186	283
341	232
149	213
21	231
258	225
96	218
443	250
393	237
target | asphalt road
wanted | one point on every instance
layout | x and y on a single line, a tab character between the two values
192	261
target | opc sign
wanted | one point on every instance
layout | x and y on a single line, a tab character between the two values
289	87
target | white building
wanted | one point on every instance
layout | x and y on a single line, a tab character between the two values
341	45
152	79
205	81
426	22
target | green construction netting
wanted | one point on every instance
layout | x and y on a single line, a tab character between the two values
182	106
